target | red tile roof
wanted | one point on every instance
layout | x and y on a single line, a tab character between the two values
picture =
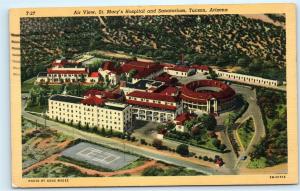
188	91
152	96
103	94
165	77
200	67
59	63
143	69
152	105
94	74
111	67
179	68
63	62
93	100
66	71
180	119
169	91
167	65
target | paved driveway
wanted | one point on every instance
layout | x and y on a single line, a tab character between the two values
254	112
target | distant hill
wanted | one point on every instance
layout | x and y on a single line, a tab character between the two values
204	39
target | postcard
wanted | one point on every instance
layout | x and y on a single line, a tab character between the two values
153	95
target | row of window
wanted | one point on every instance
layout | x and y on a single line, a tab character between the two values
151	101
88	122
79	106
66	75
248	79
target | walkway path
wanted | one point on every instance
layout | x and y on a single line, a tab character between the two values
254	112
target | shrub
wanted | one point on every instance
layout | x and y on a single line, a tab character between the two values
133	138
205	158
183	150
153	171
216	142
222	147
157	143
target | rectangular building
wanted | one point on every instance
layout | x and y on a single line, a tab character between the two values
91	112
153	106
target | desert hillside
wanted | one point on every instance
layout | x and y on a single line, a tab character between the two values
220	40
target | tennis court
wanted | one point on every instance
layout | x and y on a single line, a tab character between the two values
99	156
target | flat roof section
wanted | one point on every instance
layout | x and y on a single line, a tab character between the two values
66	98
141	85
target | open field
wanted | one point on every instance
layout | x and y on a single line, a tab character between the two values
27	85
58	165
40	143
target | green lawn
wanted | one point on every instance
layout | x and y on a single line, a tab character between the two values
55	87
36	108
245	132
206	143
209	145
258	163
27	85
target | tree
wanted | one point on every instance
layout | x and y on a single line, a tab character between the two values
216	142
107	80
243	61
132	72
222	147
157	143
212	74
160	128
79	125
255	65
209	121
102	132
195	130
100	78
82	78
153	171
189	124
229	120
183	150
143	142
170	126
123	77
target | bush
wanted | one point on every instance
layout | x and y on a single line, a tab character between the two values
217	157
216	142
183	150
222	147
157	143
133	138
205	158
153	171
